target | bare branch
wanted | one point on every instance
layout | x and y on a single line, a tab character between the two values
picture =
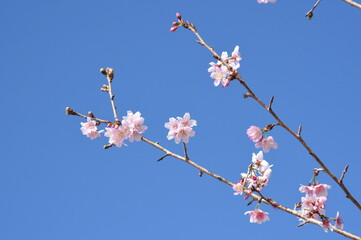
352	3
299	131
309	14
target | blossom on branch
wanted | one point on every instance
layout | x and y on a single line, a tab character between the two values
267	144
220	73
133	126
254	133
90	129
257	216
338	222
180	129
116	135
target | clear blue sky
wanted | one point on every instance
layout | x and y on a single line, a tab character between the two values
57	184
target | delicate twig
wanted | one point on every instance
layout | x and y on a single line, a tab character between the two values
271	102
277	118
160	159
108	145
343	174
254	196
316	171
109	74
70	111
185	150
309	14
352	3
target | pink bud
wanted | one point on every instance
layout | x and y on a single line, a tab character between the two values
175	23
178	16
172	29
109	124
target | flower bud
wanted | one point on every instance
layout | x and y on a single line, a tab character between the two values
172	29
178	16
102	70
175	23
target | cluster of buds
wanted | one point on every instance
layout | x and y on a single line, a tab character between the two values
108	72
256	134
180	129
177	24
259	173
221	73
313	205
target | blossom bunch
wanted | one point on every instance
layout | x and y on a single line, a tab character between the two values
256	134
313	205
180	129
257	216
131	127
89	128
220	73
257	177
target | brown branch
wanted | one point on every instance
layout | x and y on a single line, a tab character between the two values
275	116
343	174
352	3
261	198
109	74
70	111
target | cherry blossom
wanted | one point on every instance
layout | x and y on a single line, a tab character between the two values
338	222
254	133
257	216
116	135
220	73
89	129
267	144
133	126
180	129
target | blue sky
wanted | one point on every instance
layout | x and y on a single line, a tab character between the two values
57	184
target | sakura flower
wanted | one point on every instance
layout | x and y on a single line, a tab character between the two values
257	216
180	129
133	126
318	190
116	135
89	129
254	133
267	144
220	73
261	164
238	188
326	224
338	222
266	1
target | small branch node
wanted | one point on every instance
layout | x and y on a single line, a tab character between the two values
247	95
343	174
201	173
270	103
185	151
299	130
108	146
316	171
302	224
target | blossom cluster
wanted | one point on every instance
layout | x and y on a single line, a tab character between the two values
220	73
131	128
313	205
180	129
257	136
257	177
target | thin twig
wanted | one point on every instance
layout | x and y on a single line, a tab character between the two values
109	73
185	151
70	111
309	14
277	118
299	130
160	159
343	173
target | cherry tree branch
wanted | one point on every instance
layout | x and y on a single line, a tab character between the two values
203	170
352	3
269	109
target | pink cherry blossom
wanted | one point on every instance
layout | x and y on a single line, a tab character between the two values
89	129
326	224
267	144
257	216
238	188
266	1
254	133
219	72
180	129
116	135
318	190
133	126
338	222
